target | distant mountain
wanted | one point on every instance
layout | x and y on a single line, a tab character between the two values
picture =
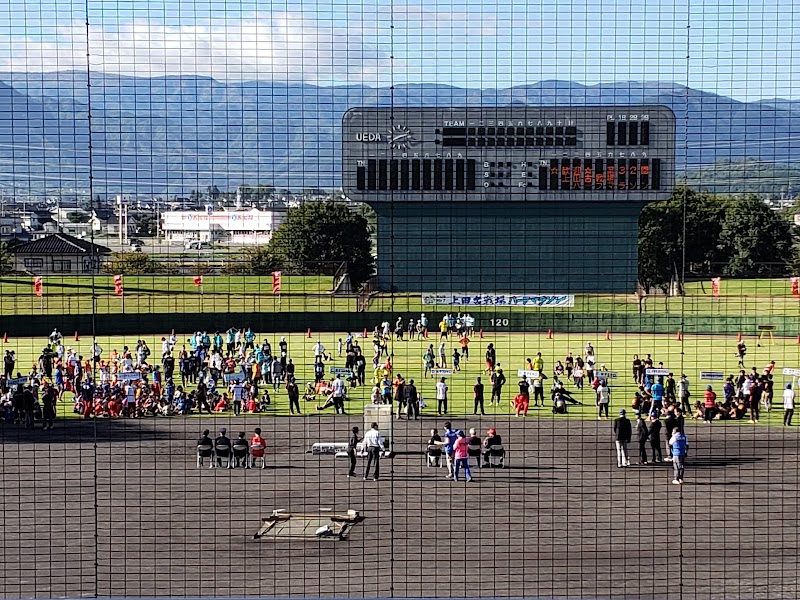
173	134
771	180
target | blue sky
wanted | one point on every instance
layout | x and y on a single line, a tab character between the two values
742	49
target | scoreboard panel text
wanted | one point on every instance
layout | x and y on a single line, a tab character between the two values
519	153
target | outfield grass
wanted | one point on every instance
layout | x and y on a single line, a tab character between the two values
690	356
751	299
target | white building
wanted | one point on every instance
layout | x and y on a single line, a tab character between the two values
239	227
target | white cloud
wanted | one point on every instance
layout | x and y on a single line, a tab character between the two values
288	46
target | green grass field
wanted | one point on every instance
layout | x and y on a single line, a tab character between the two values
176	293
692	355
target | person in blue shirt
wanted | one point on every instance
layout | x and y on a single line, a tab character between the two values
680	447
231	340
657	391
218	342
249	339
448	442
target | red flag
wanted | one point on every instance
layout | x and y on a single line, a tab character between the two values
198	280
37	286
118	285
715	286
796	287
276	282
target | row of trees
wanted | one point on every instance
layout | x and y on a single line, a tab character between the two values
720	235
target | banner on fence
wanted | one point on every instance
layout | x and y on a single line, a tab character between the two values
481	299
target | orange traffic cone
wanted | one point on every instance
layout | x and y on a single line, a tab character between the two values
679	335
5	337
608	335
739	339
365	333
798	339
309	333
549	334
76	336
480	333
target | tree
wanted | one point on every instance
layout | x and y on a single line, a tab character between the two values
133	263
6	259
316	238
754	238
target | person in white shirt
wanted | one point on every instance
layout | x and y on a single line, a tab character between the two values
788	405
237	392
319	350
165	347
441	396
97	350
373	442
338	395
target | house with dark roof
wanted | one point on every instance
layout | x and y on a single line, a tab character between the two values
59	253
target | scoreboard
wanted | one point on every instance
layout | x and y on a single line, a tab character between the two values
525	153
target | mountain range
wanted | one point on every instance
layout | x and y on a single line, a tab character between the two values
178	133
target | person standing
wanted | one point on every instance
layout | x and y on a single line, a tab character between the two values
683	394
655	437
373	441
498	381
788	405
294	396
412	400
477	391
680	447
48	406
237	392
622	435
441	396
449	442
643	433
352	444
337	395
603	400
461	456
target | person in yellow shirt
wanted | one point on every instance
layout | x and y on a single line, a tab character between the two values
538	362
443	328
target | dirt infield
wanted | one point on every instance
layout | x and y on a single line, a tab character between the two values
119	509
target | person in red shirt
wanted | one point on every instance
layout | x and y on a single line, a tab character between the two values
257	447
521	404
710	404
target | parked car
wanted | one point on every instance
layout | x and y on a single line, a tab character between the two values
196	245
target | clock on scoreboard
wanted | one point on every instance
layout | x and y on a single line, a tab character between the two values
582	153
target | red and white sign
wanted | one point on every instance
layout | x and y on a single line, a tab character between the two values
796	287
276	282
37	286
118	285
198	280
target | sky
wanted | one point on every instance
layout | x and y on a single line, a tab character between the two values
745	50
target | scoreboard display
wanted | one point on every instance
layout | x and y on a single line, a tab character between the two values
591	153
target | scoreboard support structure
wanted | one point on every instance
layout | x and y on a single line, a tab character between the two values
518	199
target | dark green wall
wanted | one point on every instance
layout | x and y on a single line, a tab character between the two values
507	247
518	321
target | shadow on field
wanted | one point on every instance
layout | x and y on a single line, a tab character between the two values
712	462
79	431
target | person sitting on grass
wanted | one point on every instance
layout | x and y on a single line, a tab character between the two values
559	404
698	413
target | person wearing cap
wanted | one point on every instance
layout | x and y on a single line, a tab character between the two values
492	440
680	447
461	456
709	404
644	434
622	436
788	405
655	437
205	449
373	442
